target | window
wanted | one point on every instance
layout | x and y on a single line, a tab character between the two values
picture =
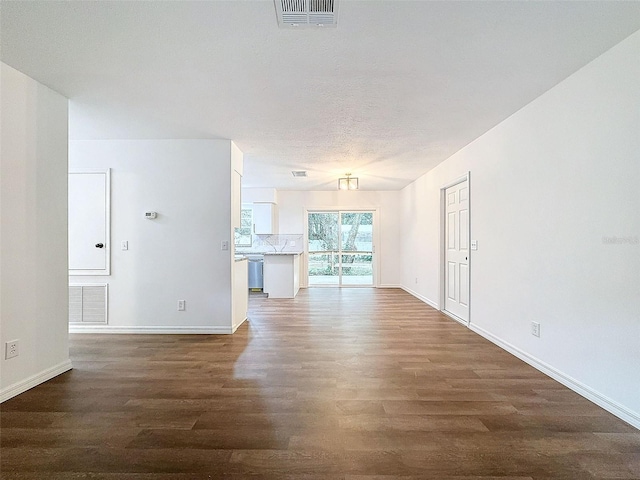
242	237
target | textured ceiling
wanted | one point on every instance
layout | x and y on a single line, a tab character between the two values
391	92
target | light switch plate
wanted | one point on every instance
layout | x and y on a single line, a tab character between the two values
124	245
474	244
224	245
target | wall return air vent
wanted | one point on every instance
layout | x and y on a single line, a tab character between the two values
306	13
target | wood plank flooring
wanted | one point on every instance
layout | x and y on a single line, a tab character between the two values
352	384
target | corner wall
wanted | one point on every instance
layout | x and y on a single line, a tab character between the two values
555	210
33	232
177	256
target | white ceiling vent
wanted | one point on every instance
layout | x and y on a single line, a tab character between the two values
307	13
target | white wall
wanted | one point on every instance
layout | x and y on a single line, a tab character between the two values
33	232
292	207
178	255
259	195
549	186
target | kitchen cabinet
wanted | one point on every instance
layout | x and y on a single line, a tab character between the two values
239	293
265	218
281	275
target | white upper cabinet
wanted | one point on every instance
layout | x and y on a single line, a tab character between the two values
264	218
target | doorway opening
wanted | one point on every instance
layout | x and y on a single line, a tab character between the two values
341	248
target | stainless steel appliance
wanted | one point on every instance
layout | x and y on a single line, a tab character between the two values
256	264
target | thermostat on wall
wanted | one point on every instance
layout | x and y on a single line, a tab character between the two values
150	215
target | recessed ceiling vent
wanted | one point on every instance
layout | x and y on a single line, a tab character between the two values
299	173
307	13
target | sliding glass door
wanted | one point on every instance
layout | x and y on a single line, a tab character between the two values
340	248
324	237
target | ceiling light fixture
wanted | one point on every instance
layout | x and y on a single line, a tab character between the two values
348	182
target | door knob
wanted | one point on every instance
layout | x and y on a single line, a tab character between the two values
99	245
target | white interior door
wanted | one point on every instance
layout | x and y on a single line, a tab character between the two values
89	223
456	271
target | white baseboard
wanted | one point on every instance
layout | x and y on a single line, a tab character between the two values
431	303
620	411
233	330
455	317
611	406
151	329
389	286
34	380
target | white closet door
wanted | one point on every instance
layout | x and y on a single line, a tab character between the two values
89	223
456	299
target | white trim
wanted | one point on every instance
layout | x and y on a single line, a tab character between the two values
443	256
329	285
611	406
580	388
34	380
429	302
233	330
107	270
389	286
126	329
458	180
455	317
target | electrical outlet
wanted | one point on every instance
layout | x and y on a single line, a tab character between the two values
182	305
535	329
11	349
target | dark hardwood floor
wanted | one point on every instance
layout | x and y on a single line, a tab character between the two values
347	384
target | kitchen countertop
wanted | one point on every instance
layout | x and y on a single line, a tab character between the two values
282	253
248	254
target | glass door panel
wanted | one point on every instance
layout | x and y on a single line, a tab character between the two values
356	230
324	267
340	248
357	269
357	237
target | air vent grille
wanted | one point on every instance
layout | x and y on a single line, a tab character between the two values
321	6
293	5
299	173
320	19
300	13
88	303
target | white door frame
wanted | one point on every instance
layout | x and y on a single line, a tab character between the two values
443	246
375	246
107	269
